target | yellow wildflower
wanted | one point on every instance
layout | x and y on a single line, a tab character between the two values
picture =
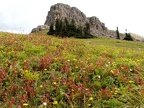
86	89
54	83
130	81
88	105
45	69
41	86
74	59
91	98
25	104
26	70
112	71
115	93
55	103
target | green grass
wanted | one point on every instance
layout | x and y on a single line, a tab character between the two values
114	42
40	71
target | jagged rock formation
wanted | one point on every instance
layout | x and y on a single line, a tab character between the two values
63	11
97	27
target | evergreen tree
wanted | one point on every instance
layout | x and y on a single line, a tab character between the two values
66	27
128	36
60	28
87	28
51	30
66	22
57	27
72	28
117	33
64	31
79	33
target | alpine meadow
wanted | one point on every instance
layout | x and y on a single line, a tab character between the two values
70	61
43	71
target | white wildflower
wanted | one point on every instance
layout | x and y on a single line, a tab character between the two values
99	76
44	103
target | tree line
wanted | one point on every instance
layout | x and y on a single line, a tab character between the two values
69	29
65	28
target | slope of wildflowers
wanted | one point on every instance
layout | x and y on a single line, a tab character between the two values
38	71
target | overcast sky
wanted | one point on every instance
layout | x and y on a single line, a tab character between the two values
23	15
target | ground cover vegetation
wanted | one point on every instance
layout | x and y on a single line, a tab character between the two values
41	71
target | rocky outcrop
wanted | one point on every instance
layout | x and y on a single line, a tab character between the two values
62	11
97	27
40	28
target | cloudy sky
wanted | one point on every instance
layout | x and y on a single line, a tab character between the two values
22	15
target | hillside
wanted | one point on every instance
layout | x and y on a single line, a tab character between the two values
41	71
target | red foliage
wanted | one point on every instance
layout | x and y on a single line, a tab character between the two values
45	62
3	74
105	93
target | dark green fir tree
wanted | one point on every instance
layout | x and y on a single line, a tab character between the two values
128	36
51	30
117	33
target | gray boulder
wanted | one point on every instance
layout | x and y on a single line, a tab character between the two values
35	30
40	28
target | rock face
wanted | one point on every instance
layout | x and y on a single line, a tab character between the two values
40	28
97	27
62	11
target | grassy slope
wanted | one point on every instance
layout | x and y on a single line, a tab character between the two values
100	72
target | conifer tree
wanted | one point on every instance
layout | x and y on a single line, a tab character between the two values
117	33
66	22
87	28
64	30
79	32
51	30
57	27
72	28
128	36
66	27
60	28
